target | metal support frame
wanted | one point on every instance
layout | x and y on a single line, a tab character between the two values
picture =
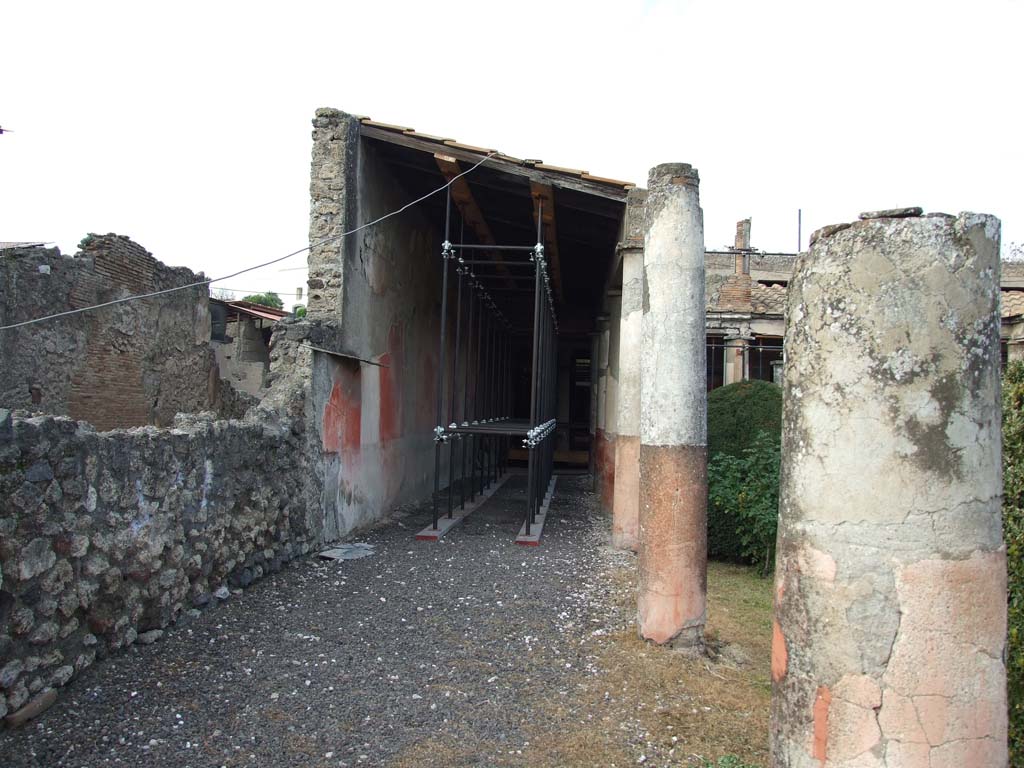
480	422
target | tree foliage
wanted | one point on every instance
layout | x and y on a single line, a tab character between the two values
1013	532
268	299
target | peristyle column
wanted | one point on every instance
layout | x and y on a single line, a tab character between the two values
890	601
626	507
673	414
611	402
600	445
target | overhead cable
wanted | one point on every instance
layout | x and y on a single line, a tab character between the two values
249	269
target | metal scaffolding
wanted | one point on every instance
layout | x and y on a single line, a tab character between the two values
477	387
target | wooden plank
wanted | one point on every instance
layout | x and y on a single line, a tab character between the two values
427	136
544	194
607	191
387	126
470	147
560	169
471	213
532	539
445	524
606	180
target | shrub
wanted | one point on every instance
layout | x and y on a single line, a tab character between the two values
737	411
743	500
737	415
1013	532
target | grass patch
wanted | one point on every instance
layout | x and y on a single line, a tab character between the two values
671	709
641	700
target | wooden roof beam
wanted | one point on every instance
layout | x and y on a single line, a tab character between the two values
581	184
471	214
543	193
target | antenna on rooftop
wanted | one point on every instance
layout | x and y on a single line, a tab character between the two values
799	229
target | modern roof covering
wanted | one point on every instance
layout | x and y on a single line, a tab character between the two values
500	203
567	176
6	246
251	309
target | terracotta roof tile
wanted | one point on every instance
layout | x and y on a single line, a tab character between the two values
768	299
1012	303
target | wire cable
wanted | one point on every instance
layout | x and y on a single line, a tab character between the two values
309	247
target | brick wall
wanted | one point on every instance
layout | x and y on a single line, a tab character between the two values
126	365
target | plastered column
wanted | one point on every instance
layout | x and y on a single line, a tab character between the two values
626	507
611	407
595	350
672	582
600	446
890	604
735	369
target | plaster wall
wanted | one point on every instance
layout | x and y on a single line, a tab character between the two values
375	423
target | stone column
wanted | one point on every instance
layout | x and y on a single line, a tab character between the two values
890	591
672	584
595	350
735	369
626	507
600	454
611	403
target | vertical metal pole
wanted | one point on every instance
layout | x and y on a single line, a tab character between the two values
441	356
492	475
455	379
477	366
534	371
465	398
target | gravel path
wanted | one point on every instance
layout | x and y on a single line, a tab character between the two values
361	662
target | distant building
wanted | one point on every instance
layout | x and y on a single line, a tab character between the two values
746	302
240	337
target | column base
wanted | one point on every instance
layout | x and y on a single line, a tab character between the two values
626	506
672	583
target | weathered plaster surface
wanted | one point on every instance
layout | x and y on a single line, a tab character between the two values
891	582
608	436
673	408
671	593
626	507
378	298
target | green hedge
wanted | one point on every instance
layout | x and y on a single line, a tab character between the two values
1013	532
738	411
744	434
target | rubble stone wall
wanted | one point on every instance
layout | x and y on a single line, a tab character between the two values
126	365
105	537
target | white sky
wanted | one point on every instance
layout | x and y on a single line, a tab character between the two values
186	126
